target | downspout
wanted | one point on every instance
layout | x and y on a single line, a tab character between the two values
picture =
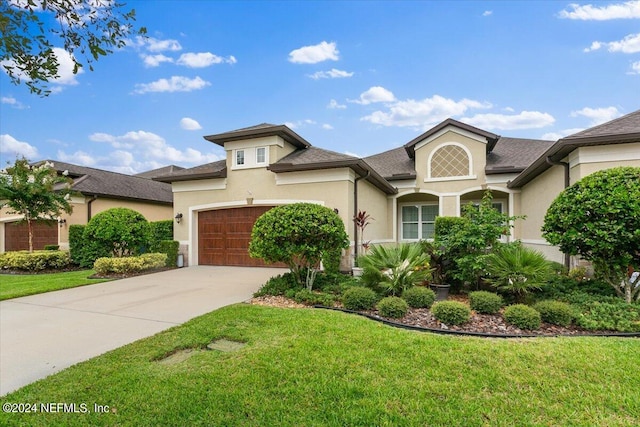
91	200
567	182
355	213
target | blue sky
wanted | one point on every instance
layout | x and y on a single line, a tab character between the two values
353	77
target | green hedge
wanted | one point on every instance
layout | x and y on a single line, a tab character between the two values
159	231
35	261
130	264
76	243
170	248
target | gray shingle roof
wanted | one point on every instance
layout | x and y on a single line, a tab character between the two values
159	172
515	154
313	155
210	170
257	131
628	124
393	164
90	181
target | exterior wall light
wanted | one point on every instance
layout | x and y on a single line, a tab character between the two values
61	222
178	218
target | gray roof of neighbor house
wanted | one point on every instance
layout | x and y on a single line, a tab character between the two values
625	129
216	169
259	131
98	182
159	172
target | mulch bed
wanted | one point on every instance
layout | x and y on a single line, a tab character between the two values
489	324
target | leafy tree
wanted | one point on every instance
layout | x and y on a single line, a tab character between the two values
299	235
116	232
598	218
35	192
31	29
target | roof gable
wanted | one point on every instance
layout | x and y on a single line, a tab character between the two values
491	138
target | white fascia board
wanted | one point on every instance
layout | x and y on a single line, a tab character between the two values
199	185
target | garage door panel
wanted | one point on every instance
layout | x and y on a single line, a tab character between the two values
224	236
16	235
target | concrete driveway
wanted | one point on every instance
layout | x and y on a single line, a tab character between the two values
46	333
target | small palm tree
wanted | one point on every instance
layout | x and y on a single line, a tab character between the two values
517	270
395	268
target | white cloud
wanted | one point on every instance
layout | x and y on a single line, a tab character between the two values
597	115
554	136
65	68
155	45
189	124
174	84
487	13
300	123
334	105
424	113
523	120
374	94
155	60
14	103
10	145
626	10
349	153
635	68
203	59
327	126
331	74
314	54
629	44
137	151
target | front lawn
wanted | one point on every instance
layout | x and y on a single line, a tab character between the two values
316	368
20	285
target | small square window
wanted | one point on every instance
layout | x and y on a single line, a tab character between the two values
261	155
240	157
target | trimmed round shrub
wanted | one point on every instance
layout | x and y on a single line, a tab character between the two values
485	302
419	297
359	298
279	285
522	316
35	261
393	307
451	312
555	312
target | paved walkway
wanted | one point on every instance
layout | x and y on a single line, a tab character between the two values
46	333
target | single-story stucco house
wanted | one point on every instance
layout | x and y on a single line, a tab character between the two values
403	189
97	190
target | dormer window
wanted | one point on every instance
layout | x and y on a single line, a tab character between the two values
239	157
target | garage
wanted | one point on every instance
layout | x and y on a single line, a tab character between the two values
16	235
224	236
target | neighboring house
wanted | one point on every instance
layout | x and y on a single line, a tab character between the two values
403	189
97	190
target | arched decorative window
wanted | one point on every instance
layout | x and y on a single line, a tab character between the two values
450	161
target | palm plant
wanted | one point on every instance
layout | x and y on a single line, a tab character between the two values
393	269
517	270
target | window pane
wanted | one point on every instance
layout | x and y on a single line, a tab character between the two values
410	231
260	155
497	206
240	157
428	230
429	212
409	213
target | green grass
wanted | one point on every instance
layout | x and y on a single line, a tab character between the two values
20	285
323	368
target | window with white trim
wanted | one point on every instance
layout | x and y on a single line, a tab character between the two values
239	157
418	221
261	155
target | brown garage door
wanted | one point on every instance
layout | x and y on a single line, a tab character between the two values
16	235
224	236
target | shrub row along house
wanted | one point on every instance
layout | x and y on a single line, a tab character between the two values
435	174
403	189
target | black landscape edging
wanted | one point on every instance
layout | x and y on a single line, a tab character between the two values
476	334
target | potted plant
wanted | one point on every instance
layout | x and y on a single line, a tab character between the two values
439	263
